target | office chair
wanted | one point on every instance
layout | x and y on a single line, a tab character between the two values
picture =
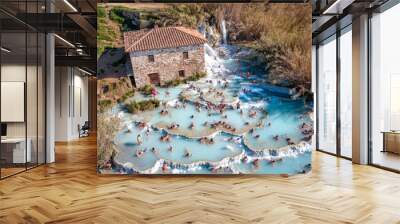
84	130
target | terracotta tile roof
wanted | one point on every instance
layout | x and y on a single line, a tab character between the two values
160	38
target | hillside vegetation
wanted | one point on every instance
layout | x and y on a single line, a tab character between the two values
281	32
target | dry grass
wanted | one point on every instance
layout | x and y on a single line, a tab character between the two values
282	32
106	131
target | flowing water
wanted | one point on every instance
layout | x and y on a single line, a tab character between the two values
262	119
224	32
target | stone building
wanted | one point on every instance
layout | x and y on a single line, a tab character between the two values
163	54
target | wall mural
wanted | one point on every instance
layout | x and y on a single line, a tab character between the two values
204	88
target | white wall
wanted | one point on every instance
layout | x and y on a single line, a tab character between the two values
17	73
71	102
33	126
61	103
81	84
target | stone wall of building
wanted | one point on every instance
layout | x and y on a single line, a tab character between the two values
167	63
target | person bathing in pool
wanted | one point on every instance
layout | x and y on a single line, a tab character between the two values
187	153
139	139
139	153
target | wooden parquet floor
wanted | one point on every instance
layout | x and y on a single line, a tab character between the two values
70	191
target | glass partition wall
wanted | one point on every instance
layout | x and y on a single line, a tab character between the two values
22	77
334	94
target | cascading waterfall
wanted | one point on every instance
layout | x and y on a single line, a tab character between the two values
214	64
210	51
224	33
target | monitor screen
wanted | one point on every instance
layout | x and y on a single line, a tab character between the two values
3	129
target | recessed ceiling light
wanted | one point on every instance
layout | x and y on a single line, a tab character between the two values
64	40
337	7
5	50
86	72
70	5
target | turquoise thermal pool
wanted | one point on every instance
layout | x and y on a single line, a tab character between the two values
260	129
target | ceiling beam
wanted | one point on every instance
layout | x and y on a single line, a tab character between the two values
81	61
89	30
337	7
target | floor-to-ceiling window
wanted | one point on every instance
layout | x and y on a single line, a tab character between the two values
385	89
22	78
345	60
334	93
326	95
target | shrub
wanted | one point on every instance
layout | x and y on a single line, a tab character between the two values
196	76
126	96
104	32
149	104
134	107
104	104
147	89
101	12
172	83
105	35
116	15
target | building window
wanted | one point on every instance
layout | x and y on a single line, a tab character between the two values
181	73
345	83
151	58
185	55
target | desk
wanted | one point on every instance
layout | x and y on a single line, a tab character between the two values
391	141
13	150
